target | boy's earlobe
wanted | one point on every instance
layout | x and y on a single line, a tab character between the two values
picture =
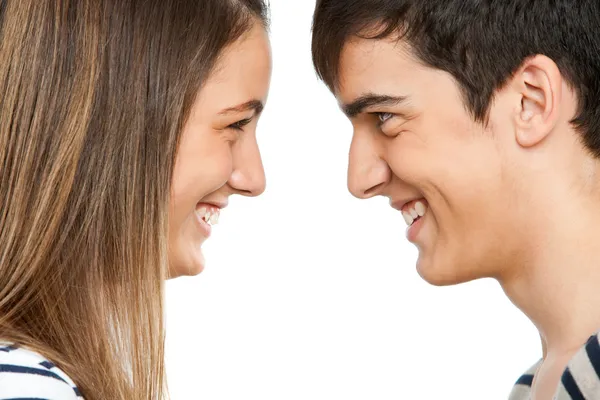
540	84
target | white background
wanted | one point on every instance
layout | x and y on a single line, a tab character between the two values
309	293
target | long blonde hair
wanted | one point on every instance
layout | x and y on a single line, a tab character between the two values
93	97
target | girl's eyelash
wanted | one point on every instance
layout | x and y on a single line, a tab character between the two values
238	126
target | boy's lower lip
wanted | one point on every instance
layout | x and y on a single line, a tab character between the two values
413	231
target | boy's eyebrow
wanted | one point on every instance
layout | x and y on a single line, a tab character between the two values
369	100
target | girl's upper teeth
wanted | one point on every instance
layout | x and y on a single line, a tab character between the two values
420	208
210	216
410	215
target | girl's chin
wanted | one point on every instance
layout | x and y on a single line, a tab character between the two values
193	267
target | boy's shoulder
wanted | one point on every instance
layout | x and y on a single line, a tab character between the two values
580	380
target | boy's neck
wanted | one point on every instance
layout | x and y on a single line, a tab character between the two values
558	286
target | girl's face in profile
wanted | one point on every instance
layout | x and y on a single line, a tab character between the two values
218	153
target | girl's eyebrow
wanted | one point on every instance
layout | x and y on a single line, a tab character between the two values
255	105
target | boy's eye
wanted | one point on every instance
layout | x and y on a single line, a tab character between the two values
383	117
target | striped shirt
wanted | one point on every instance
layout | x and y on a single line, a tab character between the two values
26	375
579	381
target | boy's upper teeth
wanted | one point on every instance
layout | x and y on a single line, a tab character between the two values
408	218
416	211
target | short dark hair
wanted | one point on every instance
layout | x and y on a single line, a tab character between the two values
481	43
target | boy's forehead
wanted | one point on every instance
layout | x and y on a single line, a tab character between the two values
372	65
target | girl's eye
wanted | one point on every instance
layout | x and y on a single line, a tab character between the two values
238	126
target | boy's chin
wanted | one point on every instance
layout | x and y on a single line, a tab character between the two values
438	273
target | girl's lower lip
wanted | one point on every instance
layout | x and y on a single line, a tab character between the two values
413	231
204	227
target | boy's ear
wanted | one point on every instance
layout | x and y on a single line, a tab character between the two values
539	83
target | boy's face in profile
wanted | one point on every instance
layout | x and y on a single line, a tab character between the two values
415	143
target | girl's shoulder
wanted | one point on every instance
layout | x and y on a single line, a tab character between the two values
27	374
